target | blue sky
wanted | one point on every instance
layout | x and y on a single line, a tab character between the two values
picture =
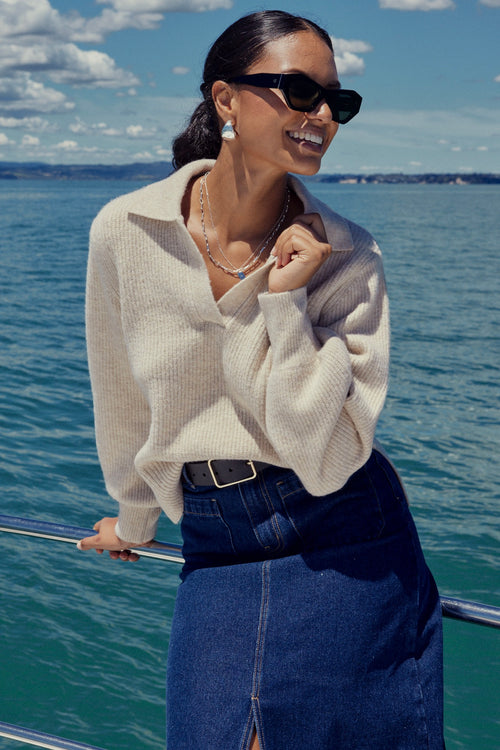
112	81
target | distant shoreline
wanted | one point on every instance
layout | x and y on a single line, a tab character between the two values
160	170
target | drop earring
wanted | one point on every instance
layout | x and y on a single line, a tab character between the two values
228	132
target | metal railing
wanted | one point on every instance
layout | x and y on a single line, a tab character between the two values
58	532
40	739
456	609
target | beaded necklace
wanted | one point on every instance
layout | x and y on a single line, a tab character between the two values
254	258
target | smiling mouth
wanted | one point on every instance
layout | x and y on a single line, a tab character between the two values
300	136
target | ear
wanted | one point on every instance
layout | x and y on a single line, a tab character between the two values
225	100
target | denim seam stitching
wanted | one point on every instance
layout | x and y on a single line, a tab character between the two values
247	735
252	525
226	526
272	514
293	491
258	722
259	649
255	528
289	516
261	630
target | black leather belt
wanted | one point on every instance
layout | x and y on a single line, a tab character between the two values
222	473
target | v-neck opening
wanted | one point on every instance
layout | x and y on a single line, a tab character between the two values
230	302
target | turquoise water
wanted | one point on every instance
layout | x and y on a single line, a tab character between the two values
84	639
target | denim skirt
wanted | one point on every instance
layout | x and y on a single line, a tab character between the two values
313	621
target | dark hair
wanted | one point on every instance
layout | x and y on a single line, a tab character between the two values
237	48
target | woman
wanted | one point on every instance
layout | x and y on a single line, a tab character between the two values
238	348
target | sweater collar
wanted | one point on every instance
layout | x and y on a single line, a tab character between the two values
162	201
336	227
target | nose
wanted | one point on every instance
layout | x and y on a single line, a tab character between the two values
321	112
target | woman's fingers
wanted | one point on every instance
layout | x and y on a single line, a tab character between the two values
106	539
300	250
126	555
90	542
306	234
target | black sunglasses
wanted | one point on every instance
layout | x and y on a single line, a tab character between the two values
303	94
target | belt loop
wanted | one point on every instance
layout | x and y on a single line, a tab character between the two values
186	476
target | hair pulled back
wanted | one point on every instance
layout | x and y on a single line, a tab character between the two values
237	48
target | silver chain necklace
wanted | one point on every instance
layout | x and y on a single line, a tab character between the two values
254	258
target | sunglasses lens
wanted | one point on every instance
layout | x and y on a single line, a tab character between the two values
303	94
344	105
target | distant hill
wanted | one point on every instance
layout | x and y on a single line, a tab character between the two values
39	171
476	178
158	170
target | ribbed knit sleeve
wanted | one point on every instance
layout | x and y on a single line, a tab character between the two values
122	415
328	381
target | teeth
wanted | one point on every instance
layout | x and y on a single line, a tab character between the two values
304	135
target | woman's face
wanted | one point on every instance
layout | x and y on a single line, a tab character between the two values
272	134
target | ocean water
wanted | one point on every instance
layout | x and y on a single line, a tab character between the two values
84	639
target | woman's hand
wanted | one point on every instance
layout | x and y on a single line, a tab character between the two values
300	250
106	539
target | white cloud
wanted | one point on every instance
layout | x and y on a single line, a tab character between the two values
143	156
4	140
23	18
490	3
347	55
497	79
91	68
95	30
135	14
20	95
78	127
166	6
138	131
30	140
28	123
67	146
417	4
28	19
82	128
163	152
68	151
65	63
180	70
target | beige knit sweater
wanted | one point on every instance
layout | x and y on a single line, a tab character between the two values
296	379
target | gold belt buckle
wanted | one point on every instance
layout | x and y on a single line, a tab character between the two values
238	481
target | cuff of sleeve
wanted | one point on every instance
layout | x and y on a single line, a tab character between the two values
289	328
137	525
270	301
